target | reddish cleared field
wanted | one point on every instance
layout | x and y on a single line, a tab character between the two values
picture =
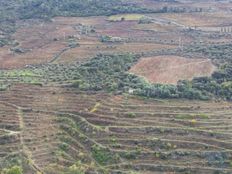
170	69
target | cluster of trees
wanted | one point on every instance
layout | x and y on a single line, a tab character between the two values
222	53
28	9
7	21
171	9
219	84
110	72
182	90
49	8
106	72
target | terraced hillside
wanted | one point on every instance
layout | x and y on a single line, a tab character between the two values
49	129
115	87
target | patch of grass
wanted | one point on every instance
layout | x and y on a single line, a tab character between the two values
21	73
131	155
192	116
3	87
67	121
76	169
94	109
131	115
133	172
114	142
126	17
9	161
24	75
102	155
63	147
230	163
13	170
157	154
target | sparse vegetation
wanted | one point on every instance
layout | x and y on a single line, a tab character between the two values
103	156
13	170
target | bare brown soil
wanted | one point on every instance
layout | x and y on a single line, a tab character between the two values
170	69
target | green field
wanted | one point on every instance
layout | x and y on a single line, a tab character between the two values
126	17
